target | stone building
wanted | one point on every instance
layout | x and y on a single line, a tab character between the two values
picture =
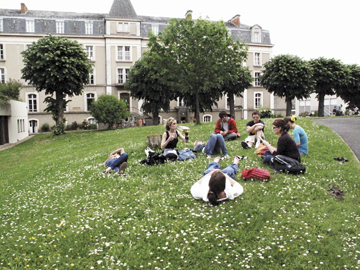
114	42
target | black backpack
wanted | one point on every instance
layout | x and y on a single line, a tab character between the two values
287	165
154	158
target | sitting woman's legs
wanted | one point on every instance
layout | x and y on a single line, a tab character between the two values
267	157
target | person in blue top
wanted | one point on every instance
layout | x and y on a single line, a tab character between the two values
300	136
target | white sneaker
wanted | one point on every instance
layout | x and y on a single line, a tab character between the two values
257	144
245	145
225	157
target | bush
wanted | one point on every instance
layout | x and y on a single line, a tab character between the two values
265	113
45	127
84	124
59	128
74	125
92	126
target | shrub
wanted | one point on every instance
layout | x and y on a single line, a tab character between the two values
265	113
45	127
92	126
74	125
84	124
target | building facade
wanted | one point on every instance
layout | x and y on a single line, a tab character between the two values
114	42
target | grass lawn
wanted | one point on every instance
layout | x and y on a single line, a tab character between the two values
58	211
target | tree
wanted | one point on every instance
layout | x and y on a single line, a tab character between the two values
59	66
288	76
329	76
9	90
150	80
351	92
197	53
109	110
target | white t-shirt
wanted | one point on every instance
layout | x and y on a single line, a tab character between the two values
200	191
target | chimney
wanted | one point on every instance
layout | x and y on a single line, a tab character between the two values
236	20
24	9
188	15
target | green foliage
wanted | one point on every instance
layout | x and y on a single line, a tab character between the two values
351	91
59	128
330	76
45	127
59	66
201	61
109	110
288	76
9	90
265	113
59	211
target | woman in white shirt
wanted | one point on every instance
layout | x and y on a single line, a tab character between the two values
216	185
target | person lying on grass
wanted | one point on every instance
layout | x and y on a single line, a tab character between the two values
116	161
216	185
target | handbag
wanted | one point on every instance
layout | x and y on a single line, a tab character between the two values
256	174
260	150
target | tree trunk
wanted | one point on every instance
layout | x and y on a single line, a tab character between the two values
154	140
60	103
197	111
288	107
232	105
156	118
321	98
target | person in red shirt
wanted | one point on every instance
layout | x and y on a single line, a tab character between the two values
226	126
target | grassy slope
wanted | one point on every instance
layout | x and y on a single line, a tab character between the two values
58	211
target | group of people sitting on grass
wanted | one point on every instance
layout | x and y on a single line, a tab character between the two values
217	185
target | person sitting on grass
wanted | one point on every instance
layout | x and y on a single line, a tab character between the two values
215	145
300	136
226	126
170	139
255	128
286	146
216	185
116	161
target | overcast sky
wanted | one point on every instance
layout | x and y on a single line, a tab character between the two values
307	28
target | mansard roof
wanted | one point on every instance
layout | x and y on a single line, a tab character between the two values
122	9
42	14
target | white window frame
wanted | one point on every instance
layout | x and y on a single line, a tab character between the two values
123	27
30	26
124	75
89	28
1	25
36	101
91	120
2	75
21	125
92	77
257	59
90	52
123	53
60	27
2	51
180	103
207	116
257	78
256	37
155	29
256	97
86	99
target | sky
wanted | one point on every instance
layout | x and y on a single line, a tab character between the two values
308	28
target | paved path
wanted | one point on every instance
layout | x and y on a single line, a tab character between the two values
348	128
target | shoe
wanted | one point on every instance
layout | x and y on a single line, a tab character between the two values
341	159
122	168
245	145
208	156
225	157
257	144
241	157
203	150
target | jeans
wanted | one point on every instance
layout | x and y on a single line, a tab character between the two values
215	144
267	157
230	170
230	136
115	163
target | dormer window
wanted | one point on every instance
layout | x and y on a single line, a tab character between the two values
256	34
123	27
155	29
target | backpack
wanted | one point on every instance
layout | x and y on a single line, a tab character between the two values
154	158
186	154
286	164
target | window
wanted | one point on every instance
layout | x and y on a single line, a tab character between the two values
122	75
90	97
207	118
256	37
155	29
21	125
123	27
30	26
92	77
257	79
1	25
1	51
123	53
2	75
90	52
91	121
89	28
305	106
126	98
181	103
257	60
258	100
60	27
32	103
